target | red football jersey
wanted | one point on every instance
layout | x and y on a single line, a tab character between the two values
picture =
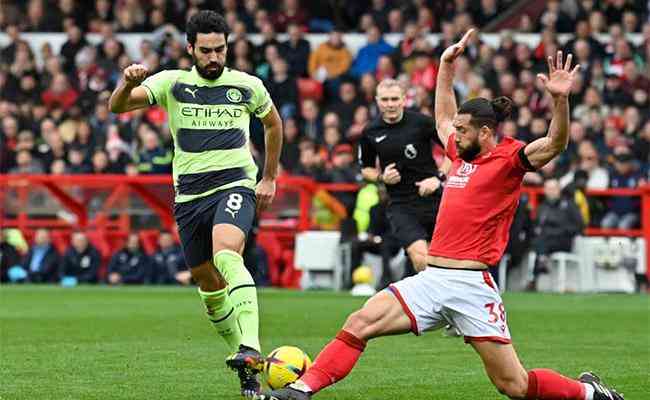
478	203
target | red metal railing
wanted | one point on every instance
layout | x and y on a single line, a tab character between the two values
16	190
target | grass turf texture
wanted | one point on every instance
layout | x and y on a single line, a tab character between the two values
155	343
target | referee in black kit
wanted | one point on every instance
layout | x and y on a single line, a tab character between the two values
396	149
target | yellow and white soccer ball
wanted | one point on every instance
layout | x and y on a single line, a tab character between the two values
285	365
362	275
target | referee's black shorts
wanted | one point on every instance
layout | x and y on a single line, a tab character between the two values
410	223
195	219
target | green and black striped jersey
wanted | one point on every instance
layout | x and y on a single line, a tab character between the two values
209	122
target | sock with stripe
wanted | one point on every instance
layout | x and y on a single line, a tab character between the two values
546	384
333	363
221	312
242	293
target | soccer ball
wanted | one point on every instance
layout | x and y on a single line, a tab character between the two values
362	275
285	365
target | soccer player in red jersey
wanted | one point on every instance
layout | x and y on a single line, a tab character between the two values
471	233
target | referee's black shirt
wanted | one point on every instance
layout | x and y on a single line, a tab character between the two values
407	144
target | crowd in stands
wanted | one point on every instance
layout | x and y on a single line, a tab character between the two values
82	262
55	118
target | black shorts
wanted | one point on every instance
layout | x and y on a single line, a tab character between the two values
410	224
196	218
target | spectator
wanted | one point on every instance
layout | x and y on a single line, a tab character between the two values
589	161
77	161
290	150
168	264
312	163
331	59
623	211
290	12
25	164
130	265
9	258
296	51
424	71
368	55
283	89
42	261
558	222
344	170
76	41
81	261
346	103
60	95
311	124
154	159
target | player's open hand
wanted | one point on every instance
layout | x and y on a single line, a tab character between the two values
134	74
391	175
560	76
426	187
452	52
265	193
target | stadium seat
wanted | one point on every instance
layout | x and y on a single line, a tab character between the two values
317	255
310	89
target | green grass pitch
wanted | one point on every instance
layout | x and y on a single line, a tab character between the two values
155	343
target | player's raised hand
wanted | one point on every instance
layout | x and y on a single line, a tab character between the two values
426	187
452	52
265	193
391	175
134	74
560	76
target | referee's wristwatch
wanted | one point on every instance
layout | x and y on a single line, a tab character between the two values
380	179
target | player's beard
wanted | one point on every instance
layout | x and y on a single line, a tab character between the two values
209	74
470	152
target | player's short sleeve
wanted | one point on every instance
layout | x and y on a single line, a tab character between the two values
261	102
367	152
518	158
451	150
158	86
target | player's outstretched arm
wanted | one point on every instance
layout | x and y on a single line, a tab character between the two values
445	103
558	83
273	137
129	95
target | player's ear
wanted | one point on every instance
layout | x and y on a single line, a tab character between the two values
190	49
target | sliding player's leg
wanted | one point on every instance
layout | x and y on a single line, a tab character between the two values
511	379
382	315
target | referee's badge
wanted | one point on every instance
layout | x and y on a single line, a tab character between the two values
234	95
410	151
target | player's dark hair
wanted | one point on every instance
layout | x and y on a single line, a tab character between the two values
487	112
206	21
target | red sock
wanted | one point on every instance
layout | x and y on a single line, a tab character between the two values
334	362
546	384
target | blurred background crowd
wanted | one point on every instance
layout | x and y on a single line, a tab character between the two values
55	118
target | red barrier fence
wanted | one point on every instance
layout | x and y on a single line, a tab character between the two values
109	203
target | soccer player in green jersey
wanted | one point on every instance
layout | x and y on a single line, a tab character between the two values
217	195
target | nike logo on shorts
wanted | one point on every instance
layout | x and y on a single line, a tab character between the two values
380	138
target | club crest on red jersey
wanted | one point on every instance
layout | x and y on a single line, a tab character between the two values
462	175
466	169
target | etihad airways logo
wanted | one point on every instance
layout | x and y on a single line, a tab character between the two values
211	112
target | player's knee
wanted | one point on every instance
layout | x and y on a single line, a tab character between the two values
225	243
515	387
